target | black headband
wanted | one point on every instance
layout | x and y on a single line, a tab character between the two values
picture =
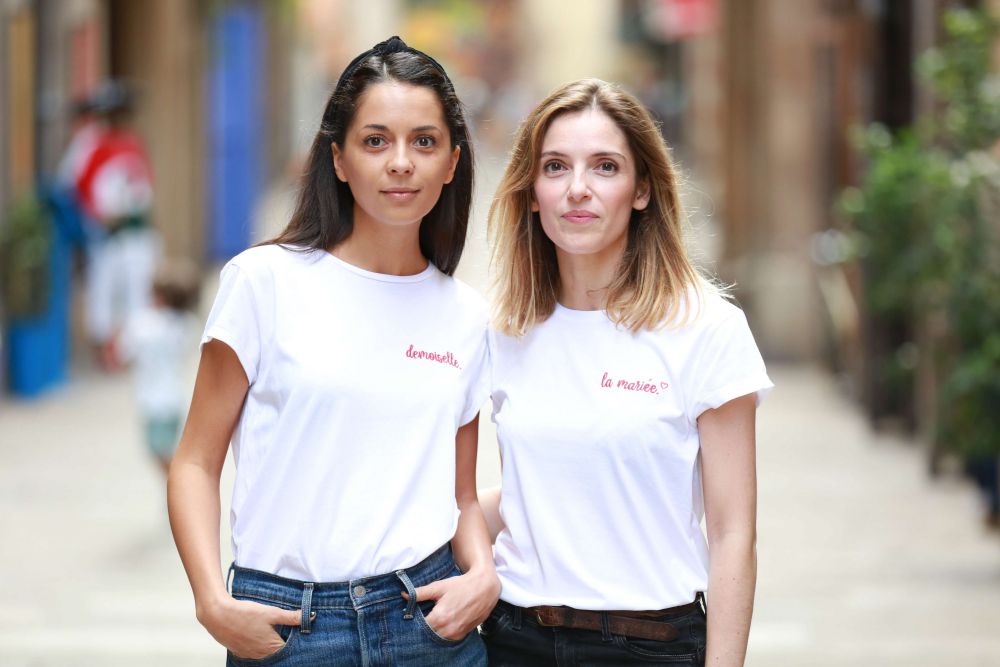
392	45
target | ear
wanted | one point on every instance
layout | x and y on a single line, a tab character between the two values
454	163
534	203
338	168
642	195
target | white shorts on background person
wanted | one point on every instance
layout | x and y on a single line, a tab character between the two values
119	278
602	496
359	382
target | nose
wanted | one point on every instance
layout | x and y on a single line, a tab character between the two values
579	189
399	160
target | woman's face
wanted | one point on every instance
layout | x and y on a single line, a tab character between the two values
397	154
586	187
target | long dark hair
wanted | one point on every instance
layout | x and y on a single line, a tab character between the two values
324	214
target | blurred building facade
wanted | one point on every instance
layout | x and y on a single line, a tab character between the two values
775	91
755	96
169	52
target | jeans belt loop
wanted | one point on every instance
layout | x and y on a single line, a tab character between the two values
605	627
411	591
516	618
229	577
307	613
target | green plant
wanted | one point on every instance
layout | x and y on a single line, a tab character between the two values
24	258
926	221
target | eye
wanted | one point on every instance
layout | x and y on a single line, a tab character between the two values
425	141
553	167
375	141
607	167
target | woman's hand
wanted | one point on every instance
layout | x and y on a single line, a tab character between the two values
460	603
247	628
463	602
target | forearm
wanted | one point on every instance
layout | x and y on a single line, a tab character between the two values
472	545
193	503
732	580
489	502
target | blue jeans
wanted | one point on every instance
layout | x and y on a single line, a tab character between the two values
361	622
514	638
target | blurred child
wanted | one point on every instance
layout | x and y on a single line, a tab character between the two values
157	341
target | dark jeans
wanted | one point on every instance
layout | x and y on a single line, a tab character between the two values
515	639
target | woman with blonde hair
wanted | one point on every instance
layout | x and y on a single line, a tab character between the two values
624	392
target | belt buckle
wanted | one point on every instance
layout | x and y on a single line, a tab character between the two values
546	617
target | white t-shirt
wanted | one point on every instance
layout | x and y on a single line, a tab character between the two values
345	449
602	495
159	342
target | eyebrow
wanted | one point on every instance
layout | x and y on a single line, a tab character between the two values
597	154
385	128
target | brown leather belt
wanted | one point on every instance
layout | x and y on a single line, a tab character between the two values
638	624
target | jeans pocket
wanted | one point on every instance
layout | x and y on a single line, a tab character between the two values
671	652
424	608
286	632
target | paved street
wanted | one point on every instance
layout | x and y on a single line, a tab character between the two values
862	560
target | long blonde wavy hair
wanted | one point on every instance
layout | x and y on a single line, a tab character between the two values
655	270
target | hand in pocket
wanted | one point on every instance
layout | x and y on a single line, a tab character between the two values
460	603
247	628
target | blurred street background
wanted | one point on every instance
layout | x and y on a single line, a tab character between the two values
842	171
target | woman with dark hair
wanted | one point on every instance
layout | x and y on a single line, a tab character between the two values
347	367
624	392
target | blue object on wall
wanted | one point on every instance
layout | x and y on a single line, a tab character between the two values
236	139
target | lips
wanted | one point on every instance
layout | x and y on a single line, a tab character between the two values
579	216
400	194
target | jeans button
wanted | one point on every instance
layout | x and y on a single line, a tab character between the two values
359	591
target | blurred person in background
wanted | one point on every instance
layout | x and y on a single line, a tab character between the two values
157	341
347	366
624	392
107	167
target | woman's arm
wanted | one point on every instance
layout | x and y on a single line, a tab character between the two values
464	602
730	486
489	502
245	628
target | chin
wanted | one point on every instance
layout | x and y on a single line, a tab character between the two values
578	249
399	218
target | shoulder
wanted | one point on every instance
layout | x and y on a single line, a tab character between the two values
705	310
702	317
711	308
466	298
264	260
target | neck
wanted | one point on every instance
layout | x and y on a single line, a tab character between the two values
584	279
388	249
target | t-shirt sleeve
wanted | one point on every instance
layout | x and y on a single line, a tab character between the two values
235	318
479	382
729	366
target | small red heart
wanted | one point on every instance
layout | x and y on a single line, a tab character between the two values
664	385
